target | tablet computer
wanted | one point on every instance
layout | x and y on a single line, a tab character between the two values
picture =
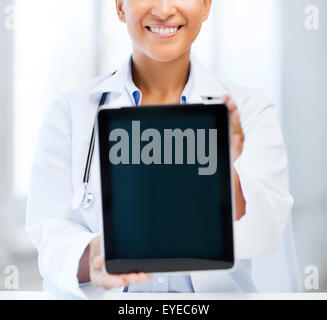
166	188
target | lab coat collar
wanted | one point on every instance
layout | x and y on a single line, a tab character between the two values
113	83
205	83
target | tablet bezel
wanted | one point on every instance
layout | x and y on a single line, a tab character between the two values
175	266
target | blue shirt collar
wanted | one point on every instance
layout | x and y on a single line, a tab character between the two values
133	91
136	95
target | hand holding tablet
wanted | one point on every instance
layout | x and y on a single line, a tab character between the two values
107	281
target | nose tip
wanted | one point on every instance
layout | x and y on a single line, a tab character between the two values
163	9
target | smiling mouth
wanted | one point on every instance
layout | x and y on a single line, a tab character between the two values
163	31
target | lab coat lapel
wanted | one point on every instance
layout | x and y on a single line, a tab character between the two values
114	82
122	100
206	84
115	85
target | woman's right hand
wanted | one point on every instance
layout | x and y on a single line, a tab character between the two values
109	281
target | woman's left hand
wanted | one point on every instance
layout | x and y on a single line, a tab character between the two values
237	141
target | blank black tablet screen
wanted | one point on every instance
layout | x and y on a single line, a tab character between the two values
165	210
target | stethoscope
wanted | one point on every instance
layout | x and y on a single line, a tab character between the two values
83	198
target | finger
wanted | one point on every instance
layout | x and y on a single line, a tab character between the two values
111	281
143	276
237	141
97	263
231	106
135	277
236	123
108	281
139	274
95	247
229	103
235	118
226	98
147	276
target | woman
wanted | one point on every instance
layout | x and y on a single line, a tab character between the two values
161	70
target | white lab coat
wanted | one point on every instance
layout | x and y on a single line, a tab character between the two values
61	234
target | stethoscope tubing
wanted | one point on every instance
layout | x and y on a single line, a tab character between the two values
91	147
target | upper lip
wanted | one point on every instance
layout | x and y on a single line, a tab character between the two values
164	25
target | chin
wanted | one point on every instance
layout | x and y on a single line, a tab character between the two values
165	55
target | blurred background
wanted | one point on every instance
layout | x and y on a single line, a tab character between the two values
51	46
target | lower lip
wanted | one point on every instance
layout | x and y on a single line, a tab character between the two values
165	36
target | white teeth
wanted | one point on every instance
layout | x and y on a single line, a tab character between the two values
164	30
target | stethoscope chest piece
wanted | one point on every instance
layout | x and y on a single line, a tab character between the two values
82	199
